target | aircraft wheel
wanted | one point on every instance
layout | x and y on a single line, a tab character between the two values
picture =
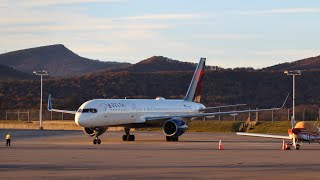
131	137
94	141
172	138
124	138
168	138
99	141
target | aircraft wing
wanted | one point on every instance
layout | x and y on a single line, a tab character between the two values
58	110
226	106
263	135
233	113
199	114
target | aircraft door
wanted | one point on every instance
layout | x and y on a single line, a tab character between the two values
132	112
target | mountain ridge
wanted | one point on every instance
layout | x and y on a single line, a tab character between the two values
157	64
56	59
61	62
310	64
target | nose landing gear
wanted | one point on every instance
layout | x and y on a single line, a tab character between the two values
97	132
128	136
97	140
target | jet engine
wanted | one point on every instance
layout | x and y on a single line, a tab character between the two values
174	127
94	131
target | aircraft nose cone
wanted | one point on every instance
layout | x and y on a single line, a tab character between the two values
79	120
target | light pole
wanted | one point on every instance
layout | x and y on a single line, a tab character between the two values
41	73
293	74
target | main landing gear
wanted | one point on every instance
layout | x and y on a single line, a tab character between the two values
172	138
288	146
128	136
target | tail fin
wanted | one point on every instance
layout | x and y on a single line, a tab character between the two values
195	87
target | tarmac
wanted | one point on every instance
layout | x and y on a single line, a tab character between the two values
48	154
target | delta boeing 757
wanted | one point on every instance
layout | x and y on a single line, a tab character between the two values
173	115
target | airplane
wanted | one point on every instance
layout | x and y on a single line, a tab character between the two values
173	115
301	131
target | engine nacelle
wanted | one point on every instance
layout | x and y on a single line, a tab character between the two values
94	131
174	127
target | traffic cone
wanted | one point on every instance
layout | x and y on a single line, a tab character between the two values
283	145
220	145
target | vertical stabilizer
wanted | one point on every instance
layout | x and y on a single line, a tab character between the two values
195	87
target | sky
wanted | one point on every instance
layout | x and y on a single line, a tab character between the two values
229	33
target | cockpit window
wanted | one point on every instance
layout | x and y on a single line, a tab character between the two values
91	110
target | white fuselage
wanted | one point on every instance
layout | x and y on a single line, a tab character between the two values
117	112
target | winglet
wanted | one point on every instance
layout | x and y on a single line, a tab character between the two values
284	103
58	110
49	103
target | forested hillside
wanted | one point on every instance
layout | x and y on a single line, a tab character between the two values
8	73
253	88
155	76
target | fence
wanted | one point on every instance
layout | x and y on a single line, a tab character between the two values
33	115
302	114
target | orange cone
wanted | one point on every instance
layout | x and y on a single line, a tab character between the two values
220	145
284	147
